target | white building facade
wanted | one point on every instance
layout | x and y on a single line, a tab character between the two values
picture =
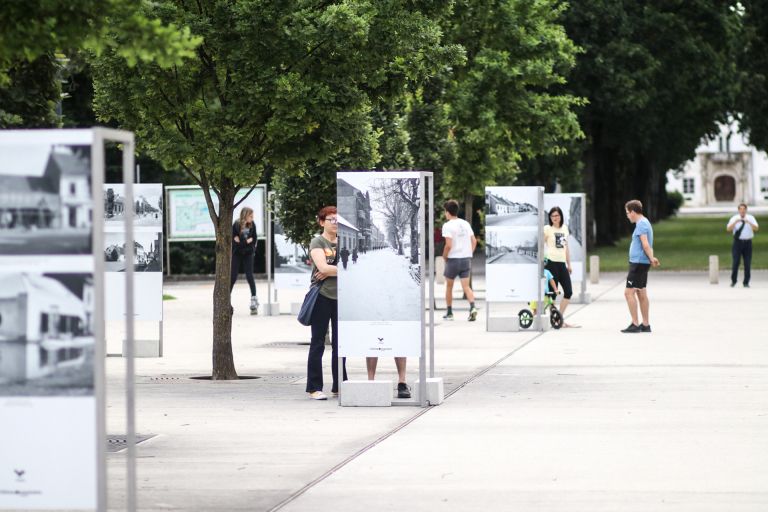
725	172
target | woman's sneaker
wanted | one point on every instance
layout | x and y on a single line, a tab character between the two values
254	306
318	395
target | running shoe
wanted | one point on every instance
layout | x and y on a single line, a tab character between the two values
473	314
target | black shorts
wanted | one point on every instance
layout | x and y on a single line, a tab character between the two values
637	277
457	267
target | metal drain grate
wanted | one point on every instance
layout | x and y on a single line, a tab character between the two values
164	378
281	379
116	443
286	344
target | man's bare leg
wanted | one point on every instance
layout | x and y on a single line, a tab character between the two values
370	365
642	298
629	294
448	292
467	290
400	364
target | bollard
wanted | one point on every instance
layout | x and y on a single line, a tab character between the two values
594	269
439	270
714	269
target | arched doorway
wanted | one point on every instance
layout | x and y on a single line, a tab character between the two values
725	188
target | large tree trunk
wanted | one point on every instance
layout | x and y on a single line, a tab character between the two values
223	361
468	200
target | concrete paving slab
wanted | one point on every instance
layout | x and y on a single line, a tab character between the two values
575	419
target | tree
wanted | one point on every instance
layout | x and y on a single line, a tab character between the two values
502	104
30	93
243	106
658	76
753	65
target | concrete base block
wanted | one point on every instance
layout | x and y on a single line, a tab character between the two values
295	308
366	393
435	390
544	323
270	309
503	324
144	348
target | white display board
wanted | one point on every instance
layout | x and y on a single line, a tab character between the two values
148	254
49	399
512	241
380	297
188	217
573	206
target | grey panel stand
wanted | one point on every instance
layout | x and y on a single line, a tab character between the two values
435	390
366	393
270	309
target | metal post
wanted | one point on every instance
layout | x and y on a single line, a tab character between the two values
100	349
167	235
584	247
268	252
422	357
130	396
431	235
541	260
138	173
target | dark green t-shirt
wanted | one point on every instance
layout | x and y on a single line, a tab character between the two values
328	289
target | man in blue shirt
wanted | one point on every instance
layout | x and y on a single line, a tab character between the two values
640	260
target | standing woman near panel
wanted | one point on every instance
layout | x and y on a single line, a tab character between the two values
323	252
243	252
557	256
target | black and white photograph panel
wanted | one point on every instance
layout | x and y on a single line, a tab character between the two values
379	246
148	256
511	206
570	204
505	245
290	257
147	205
46	203
46	334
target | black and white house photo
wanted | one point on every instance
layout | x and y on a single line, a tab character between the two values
46	334
571	207
511	206
290	257
505	245
379	246
147	205
148	256
46	204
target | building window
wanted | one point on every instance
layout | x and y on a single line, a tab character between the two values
72	189
44	323
764	184
688	186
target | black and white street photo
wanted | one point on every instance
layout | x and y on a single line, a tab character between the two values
511	206
379	237
147	205
148	256
504	245
46	204
290	257
46	334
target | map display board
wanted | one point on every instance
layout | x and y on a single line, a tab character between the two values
188	217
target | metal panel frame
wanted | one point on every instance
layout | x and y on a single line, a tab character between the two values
100	137
423	216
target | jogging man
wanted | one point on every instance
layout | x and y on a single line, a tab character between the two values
640	260
743	227
460	243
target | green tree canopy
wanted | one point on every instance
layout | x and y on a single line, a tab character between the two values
272	86
753	64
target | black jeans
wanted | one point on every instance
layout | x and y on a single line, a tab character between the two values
325	310
741	248
247	262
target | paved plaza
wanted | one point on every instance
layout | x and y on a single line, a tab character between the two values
584	419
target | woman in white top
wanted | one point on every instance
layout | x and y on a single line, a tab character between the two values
557	257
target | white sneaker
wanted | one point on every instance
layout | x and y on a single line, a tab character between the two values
254	306
318	395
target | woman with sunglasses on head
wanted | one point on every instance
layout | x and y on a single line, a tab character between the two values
557	256
322	251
